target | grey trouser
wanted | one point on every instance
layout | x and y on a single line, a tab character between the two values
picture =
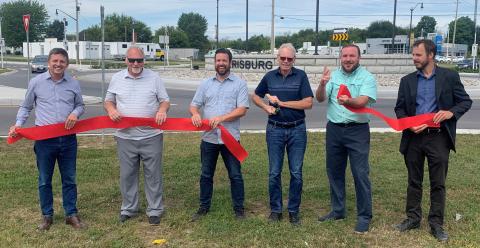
130	153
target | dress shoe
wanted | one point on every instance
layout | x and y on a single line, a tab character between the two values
294	218
154	220
439	233
407	224
330	216
75	222
240	214
200	213
124	217
47	221
275	217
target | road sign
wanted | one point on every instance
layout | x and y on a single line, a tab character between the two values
339	30
26	22
343	36
2	42
164	39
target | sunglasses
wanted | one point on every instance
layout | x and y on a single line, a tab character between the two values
133	60
286	59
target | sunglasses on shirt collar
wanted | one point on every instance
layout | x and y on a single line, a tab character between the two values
133	60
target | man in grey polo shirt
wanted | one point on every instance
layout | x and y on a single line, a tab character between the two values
224	99
139	92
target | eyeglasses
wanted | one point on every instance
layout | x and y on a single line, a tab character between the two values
133	60
286	59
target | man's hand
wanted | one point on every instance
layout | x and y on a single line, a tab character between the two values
271	110
160	117
273	99
441	116
418	129
70	121
325	76
114	115
343	100
12	132
196	120
215	121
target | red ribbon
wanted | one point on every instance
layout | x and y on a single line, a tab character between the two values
100	122
396	124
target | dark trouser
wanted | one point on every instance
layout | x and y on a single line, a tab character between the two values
209	156
352	143
435	147
64	150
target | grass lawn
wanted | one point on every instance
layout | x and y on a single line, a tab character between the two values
99	200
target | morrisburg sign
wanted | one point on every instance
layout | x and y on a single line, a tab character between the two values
248	64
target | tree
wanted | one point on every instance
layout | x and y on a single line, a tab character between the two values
258	43
12	22
93	33
55	30
428	24
379	29
177	37
195	26
121	27
465	30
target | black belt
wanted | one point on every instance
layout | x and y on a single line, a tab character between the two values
348	124
286	124
431	130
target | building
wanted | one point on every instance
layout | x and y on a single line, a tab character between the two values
384	45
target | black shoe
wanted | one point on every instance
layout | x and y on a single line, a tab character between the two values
124	217
407	224
294	218
200	212
240	214
154	220
439	233
330	216
275	217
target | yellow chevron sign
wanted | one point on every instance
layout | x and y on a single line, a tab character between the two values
340	36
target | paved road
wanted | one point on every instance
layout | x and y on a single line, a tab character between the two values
181	93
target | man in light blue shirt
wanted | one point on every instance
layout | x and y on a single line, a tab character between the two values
348	135
57	98
224	99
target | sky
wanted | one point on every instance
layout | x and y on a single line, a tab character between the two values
290	15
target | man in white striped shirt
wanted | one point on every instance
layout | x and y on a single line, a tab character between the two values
139	92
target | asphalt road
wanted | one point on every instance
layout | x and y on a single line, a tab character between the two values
182	96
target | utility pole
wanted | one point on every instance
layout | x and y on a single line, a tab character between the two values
455	29
393	31
246	30
217	27
77	47
474	50
272	38
316	32
1	41
102	24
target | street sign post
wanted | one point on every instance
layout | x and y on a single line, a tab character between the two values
26	24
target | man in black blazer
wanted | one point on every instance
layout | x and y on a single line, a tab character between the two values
430	89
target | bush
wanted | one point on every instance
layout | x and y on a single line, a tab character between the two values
18	53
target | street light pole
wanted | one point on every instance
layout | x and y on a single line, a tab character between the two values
246	30
1	40
455	29
474	37
217	26
410	31
77	46
316	32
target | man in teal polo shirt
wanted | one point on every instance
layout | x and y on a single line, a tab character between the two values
348	135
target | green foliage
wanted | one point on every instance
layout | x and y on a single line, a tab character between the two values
55	30
99	199
380	29
258	43
428	24
119	28
177	37
12	22
195	26
464	32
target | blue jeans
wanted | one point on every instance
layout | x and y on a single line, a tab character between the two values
352	143
294	139
209	156
64	150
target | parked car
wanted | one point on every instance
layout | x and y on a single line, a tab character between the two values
467	64
458	59
39	63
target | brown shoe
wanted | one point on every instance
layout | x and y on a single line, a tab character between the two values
75	222
47	221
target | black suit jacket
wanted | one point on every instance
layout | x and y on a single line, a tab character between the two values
450	95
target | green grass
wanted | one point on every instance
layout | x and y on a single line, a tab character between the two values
99	199
4	70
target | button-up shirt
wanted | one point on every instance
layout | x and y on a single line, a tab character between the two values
360	83
219	98
137	97
426	101
53	100
293	87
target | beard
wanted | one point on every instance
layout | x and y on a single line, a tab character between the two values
354	67
421	65
136	70
222	70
